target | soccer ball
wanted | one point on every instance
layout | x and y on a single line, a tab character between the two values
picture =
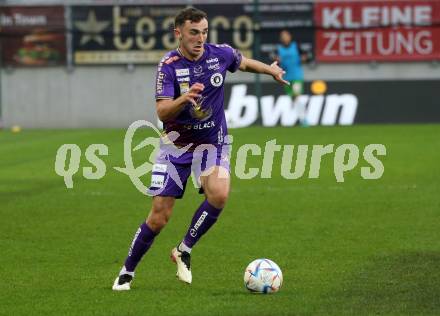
263	276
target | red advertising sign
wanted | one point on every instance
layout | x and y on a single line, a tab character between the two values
377	30
32	36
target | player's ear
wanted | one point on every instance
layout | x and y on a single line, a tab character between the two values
177	33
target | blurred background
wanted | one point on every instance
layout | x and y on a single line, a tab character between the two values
85	63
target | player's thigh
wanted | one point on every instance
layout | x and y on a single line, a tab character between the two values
216	182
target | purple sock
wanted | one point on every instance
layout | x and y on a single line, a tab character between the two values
142	241
205	216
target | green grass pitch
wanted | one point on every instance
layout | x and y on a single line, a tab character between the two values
360	247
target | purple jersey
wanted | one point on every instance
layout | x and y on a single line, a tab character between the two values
204	123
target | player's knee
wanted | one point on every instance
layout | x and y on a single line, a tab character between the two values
218	198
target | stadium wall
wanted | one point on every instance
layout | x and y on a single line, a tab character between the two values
115	96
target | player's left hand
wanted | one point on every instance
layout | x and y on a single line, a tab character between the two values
278	72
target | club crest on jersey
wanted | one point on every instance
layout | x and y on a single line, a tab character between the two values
216	79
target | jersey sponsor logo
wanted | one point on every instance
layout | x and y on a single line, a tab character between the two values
182	72
212	60
171	60
199	111
216	79
183	79
159	67
159	82
200	126
198	69
184	87
214	66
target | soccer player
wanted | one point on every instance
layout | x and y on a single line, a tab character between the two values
290	60
189	101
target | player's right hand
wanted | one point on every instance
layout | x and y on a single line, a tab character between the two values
278	73
194	93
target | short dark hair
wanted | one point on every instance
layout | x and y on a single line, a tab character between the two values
191	14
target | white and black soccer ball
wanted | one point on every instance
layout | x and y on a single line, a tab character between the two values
263	276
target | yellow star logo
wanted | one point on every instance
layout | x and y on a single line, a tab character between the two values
91	29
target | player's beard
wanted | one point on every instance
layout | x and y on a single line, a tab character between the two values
196	50
192	50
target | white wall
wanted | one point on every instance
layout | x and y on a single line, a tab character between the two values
87	97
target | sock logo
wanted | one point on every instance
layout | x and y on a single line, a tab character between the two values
134	240
193	231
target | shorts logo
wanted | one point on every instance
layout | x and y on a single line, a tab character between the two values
158	167
157	181
182	72
217	79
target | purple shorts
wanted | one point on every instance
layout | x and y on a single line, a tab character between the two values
170	173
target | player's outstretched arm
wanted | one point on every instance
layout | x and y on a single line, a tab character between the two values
252	65
168	108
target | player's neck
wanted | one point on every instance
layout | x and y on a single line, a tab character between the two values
185	54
